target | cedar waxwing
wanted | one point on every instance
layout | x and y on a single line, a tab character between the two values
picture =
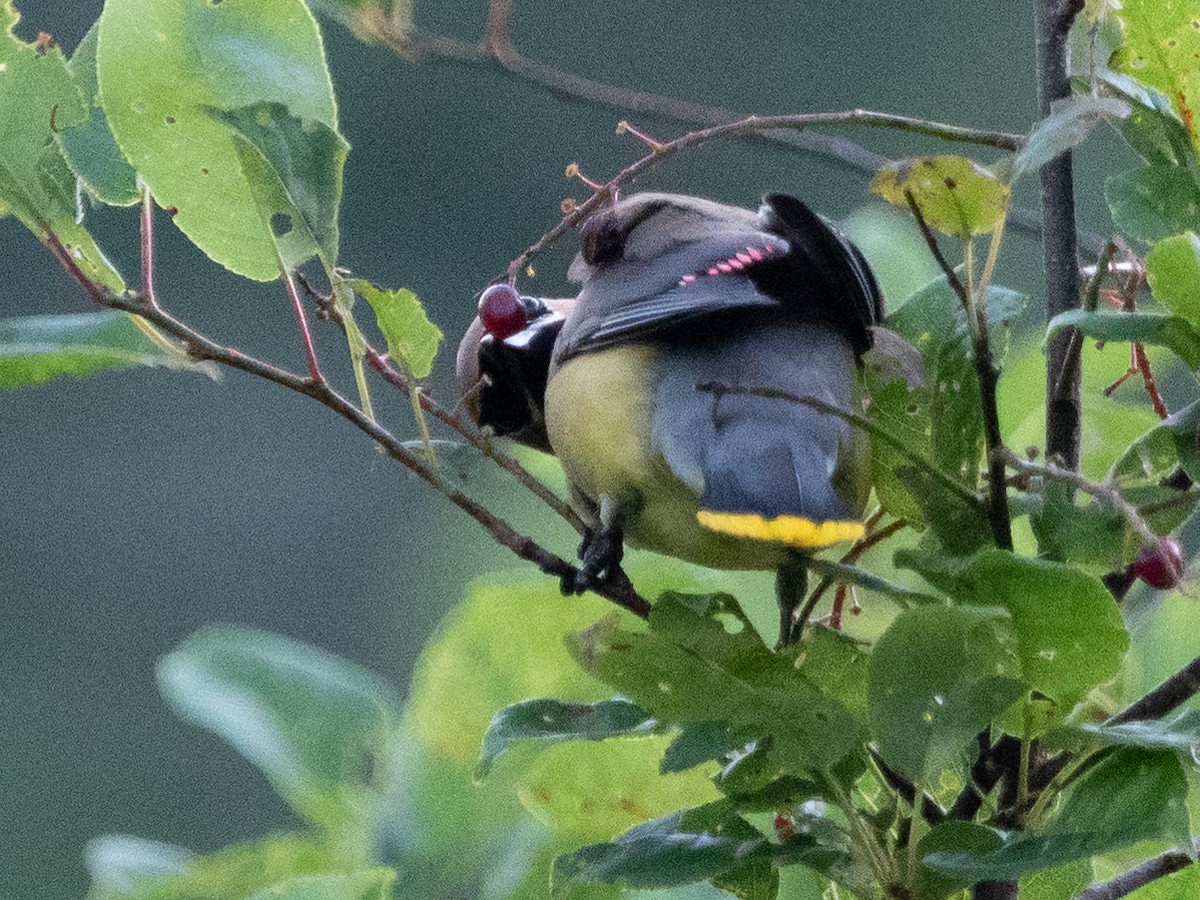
678	293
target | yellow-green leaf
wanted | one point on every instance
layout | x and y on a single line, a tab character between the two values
1162	49
956	195
411	338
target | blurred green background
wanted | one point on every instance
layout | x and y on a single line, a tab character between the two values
136	507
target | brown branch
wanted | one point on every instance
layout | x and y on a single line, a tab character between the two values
752	125
1159	867
989	376
392	375
201	347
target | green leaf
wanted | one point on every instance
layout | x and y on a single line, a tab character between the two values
129	868
1069	123
936	413
411	338
555	721
1093	534
664	853
1153	128
34	349
308	720
1133	795
1067	880
164	64
367	884
594	791
89	148
1154	457
1066	629
951	837
1173	269
956	195
1150	203
1161	43
294	169
934	684
35	183
38	90
504	643
702	662
1174	332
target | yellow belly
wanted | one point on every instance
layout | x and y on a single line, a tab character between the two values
598	417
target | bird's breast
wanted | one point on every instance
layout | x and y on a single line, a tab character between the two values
598	420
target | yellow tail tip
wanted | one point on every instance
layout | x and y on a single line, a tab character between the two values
796	531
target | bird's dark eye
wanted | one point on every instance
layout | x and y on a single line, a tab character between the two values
603	240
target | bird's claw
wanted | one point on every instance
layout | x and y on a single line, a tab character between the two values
601	552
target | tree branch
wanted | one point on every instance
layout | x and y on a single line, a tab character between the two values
201	347
754	125
1159	867
1060	238
1165	698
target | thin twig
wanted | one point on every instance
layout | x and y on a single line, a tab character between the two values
988	376
1159	867
857	549
753	125
310	350
201	347
1074	353
147	248
392	375
1101	491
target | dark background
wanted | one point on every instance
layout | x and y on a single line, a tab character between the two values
137	507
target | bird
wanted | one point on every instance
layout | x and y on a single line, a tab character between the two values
662	392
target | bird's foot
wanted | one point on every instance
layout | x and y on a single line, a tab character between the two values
601	553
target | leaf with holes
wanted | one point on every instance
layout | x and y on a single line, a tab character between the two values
163	65
294	170
39	97
934	684
1066	630
702	662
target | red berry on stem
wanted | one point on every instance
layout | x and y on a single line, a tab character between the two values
501	311
1160	566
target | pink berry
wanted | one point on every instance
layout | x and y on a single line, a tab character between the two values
1160	566
501	311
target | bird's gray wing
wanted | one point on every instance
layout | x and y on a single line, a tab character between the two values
752	456
701	279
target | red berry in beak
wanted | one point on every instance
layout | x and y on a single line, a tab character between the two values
1160	566
501	311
